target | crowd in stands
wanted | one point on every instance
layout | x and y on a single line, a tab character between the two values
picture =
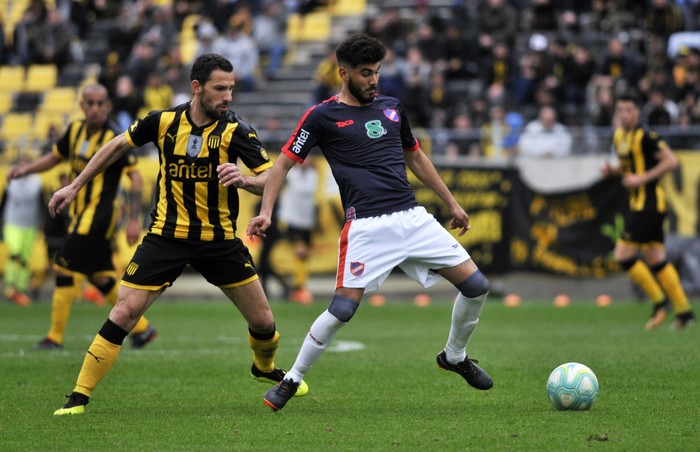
492	67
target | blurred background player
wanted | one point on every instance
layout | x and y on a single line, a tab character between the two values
643	159
298	209
23	211
87	249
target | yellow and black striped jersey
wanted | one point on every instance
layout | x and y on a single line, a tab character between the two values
637	151
93	212
190	202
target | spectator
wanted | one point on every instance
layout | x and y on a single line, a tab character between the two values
298	208
602	108
493	134
579	70
157	95
545	137
23	210
663	18
658	110
237	46
498	21
269	32
499	67
128	100
390	28
327	78
416	99
207	35
619	65
464	141
142	61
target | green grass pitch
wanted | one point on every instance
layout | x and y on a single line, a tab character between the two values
378	388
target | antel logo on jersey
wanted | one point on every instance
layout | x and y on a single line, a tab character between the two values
342	124
299	142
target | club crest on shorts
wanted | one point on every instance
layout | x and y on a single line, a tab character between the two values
357	268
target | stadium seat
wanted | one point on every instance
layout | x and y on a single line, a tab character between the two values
12	78
348	7
41	77
43	122
59	100
314	26
6	98
15	126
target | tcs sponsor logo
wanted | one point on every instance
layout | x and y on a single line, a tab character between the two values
342	124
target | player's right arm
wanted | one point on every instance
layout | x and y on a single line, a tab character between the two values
43	163
275	180
103	159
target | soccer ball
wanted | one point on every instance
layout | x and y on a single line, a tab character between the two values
572	386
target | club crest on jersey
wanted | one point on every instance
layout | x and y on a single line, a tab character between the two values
357	268
194	145
392	114
213	141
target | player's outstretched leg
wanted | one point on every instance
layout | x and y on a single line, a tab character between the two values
75	405
278	396
467	369
275	377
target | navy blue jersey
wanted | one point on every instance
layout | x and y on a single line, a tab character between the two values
365	149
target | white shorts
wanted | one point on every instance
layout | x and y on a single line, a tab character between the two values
370	248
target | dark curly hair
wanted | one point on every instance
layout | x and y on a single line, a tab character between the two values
360	49
205	64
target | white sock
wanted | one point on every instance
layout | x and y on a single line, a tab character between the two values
316	342
465	316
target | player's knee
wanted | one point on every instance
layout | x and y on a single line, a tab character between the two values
64	281
476	285
343	308
656	268
626	264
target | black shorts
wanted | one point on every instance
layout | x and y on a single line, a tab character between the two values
159	261
644	228
85	254
298	235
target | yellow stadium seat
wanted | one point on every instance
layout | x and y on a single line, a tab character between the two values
188	49
348	7
59	100
188	23
43	122
5	101
15	126
12	78
314	26
41	77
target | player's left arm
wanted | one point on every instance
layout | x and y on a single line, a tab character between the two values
425	171
230	174
666	162
133	226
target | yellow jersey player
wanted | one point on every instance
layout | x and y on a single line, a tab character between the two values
643	159
193	221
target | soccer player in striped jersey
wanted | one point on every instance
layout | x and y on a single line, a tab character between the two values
643	159
87	249
193	221
368	143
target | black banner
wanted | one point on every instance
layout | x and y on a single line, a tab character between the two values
571	233
485	194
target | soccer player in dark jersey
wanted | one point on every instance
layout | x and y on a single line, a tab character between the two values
87	248
368	143
643	159
193	221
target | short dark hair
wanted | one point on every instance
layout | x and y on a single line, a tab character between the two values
629	96
360	49
207	63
